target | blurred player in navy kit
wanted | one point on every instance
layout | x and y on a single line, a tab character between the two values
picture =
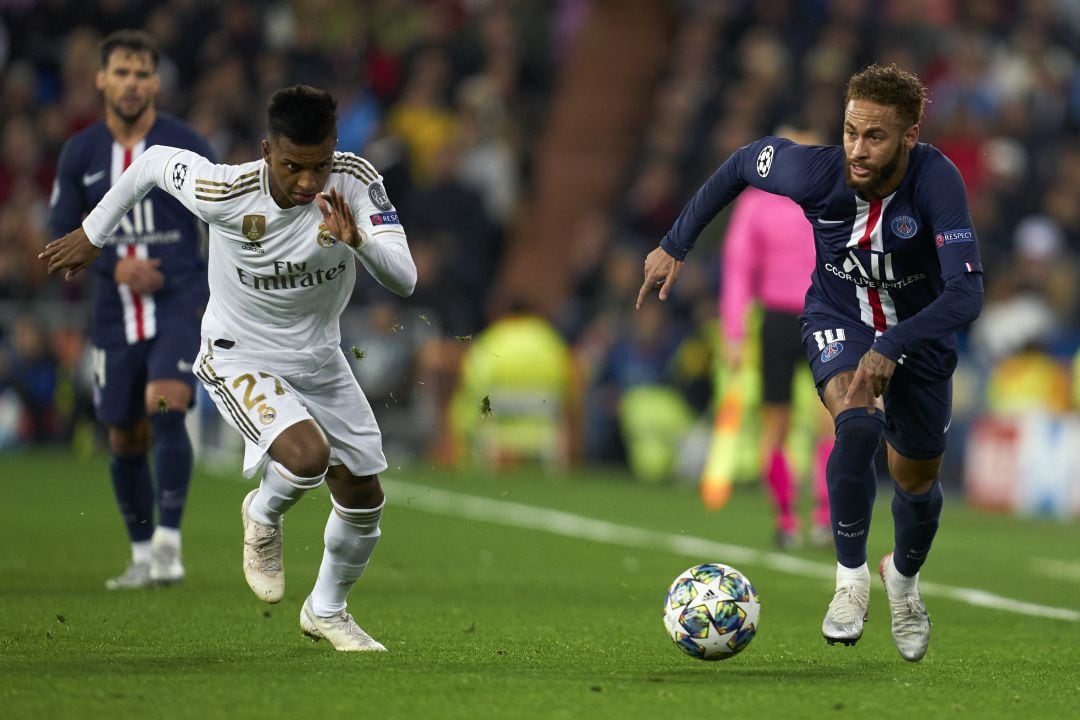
150	290
897	274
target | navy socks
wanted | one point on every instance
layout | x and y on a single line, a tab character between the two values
134	494
852	481
172	464
915	520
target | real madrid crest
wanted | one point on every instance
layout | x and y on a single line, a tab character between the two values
267	414
325	239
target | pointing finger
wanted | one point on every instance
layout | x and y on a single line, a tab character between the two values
643	293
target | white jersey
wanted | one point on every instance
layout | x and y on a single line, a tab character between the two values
278	280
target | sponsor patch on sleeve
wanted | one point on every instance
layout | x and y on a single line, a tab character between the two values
385	218
948	237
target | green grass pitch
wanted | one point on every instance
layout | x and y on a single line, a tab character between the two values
521	595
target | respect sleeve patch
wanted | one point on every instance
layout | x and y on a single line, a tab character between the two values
385	218
948	237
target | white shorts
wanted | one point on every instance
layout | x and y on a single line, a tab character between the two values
260	404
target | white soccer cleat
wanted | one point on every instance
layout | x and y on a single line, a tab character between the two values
262	556
137	575
341	630
910	621
165	565
848	611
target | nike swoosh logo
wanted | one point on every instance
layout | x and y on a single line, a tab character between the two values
184	367
847	525
89	179
947	426
823	221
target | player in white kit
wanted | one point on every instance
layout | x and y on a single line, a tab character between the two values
284	232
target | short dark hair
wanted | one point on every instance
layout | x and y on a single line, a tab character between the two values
135	41
303	114
891	86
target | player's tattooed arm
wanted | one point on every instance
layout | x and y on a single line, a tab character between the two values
873	374
338	218
74	253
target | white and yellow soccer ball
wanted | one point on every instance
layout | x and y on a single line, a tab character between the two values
711	611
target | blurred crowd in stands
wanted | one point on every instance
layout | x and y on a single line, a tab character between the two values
447	98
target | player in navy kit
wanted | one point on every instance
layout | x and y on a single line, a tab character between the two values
150	290
897	274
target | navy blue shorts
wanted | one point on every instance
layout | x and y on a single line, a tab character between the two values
917	412
121	373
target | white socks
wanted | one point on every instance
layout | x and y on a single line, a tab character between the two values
859	576
140	552
905	584
166	535
279	491
350	537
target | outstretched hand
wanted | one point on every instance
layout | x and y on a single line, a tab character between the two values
874	372
338	217
74	252
661	273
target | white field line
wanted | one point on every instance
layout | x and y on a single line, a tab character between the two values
502	512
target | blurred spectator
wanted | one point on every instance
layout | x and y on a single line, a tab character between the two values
33	375
489	162
639	355
467	243
1031	297
421	117
590	245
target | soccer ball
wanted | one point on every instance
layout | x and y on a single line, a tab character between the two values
711	611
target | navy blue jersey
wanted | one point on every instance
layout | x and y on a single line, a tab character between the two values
907	265
157	227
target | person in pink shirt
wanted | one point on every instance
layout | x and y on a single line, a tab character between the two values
768	256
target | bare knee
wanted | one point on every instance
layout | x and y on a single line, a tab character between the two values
130	439
303	449
354	491
167	395
913	476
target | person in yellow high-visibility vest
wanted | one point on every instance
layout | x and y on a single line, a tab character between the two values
516	397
